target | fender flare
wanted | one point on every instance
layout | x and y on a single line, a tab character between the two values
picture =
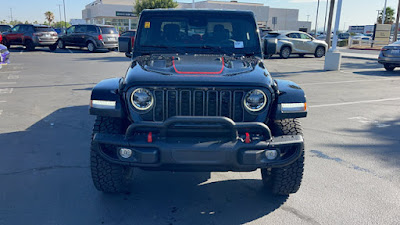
107	90
288	92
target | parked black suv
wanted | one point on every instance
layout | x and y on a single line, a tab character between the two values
197	97
91	36
31	36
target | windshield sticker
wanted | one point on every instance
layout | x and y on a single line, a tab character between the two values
239	44
147	25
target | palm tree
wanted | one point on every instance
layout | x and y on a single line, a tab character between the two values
49	16
389	18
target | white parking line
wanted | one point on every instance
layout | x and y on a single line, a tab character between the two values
351	103
1	111
13	77
2	101
10	72
7	83
6	90
349	81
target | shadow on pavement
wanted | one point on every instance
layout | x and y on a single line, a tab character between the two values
45	177
112	58
68	50
360	64
382	141
379	73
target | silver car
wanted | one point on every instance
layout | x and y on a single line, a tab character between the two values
297	42
390	56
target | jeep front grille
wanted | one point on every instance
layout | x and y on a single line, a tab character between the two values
197	102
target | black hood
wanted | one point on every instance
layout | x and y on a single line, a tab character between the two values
199	70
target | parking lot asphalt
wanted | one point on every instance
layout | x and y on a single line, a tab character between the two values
352	134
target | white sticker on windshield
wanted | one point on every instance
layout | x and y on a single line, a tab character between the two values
239	44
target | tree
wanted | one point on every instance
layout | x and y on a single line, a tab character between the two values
140	5
49	17
60	24
389	18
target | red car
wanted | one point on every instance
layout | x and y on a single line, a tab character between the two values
31	36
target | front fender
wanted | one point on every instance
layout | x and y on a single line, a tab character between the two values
288	92
106	99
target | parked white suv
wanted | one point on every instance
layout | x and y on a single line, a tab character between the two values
297	42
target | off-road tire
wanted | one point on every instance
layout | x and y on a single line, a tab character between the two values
285	52
61	44
285	180
91	46
108	177
319	52
389	67
29	45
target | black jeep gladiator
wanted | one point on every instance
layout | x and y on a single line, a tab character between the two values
197	97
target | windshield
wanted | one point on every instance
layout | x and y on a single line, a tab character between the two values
108	30
212	33
43	29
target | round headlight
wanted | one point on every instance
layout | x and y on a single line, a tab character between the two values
142	99
255	100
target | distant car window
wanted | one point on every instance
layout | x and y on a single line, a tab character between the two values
128	34
305	36
80	29
108	30
91	29
294	35
43	29
272	35
15	29
71	30
4	28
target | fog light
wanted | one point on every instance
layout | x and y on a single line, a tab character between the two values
125	152
271	154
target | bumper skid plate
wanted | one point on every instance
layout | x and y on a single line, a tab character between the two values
200	143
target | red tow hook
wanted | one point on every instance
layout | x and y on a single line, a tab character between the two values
150	137
247	140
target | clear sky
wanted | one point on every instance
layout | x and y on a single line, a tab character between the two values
355	12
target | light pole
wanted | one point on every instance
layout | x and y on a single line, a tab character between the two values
65	17
11	15
316	20
326	14
396	30
308	18
337	24
384	13
329	31
59	10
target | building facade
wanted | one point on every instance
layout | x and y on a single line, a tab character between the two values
267	17
120	14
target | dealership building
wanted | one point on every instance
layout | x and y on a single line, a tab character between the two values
120	13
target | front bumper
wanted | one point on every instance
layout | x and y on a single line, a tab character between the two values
199	144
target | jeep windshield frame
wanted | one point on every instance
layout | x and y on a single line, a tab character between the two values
220	32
